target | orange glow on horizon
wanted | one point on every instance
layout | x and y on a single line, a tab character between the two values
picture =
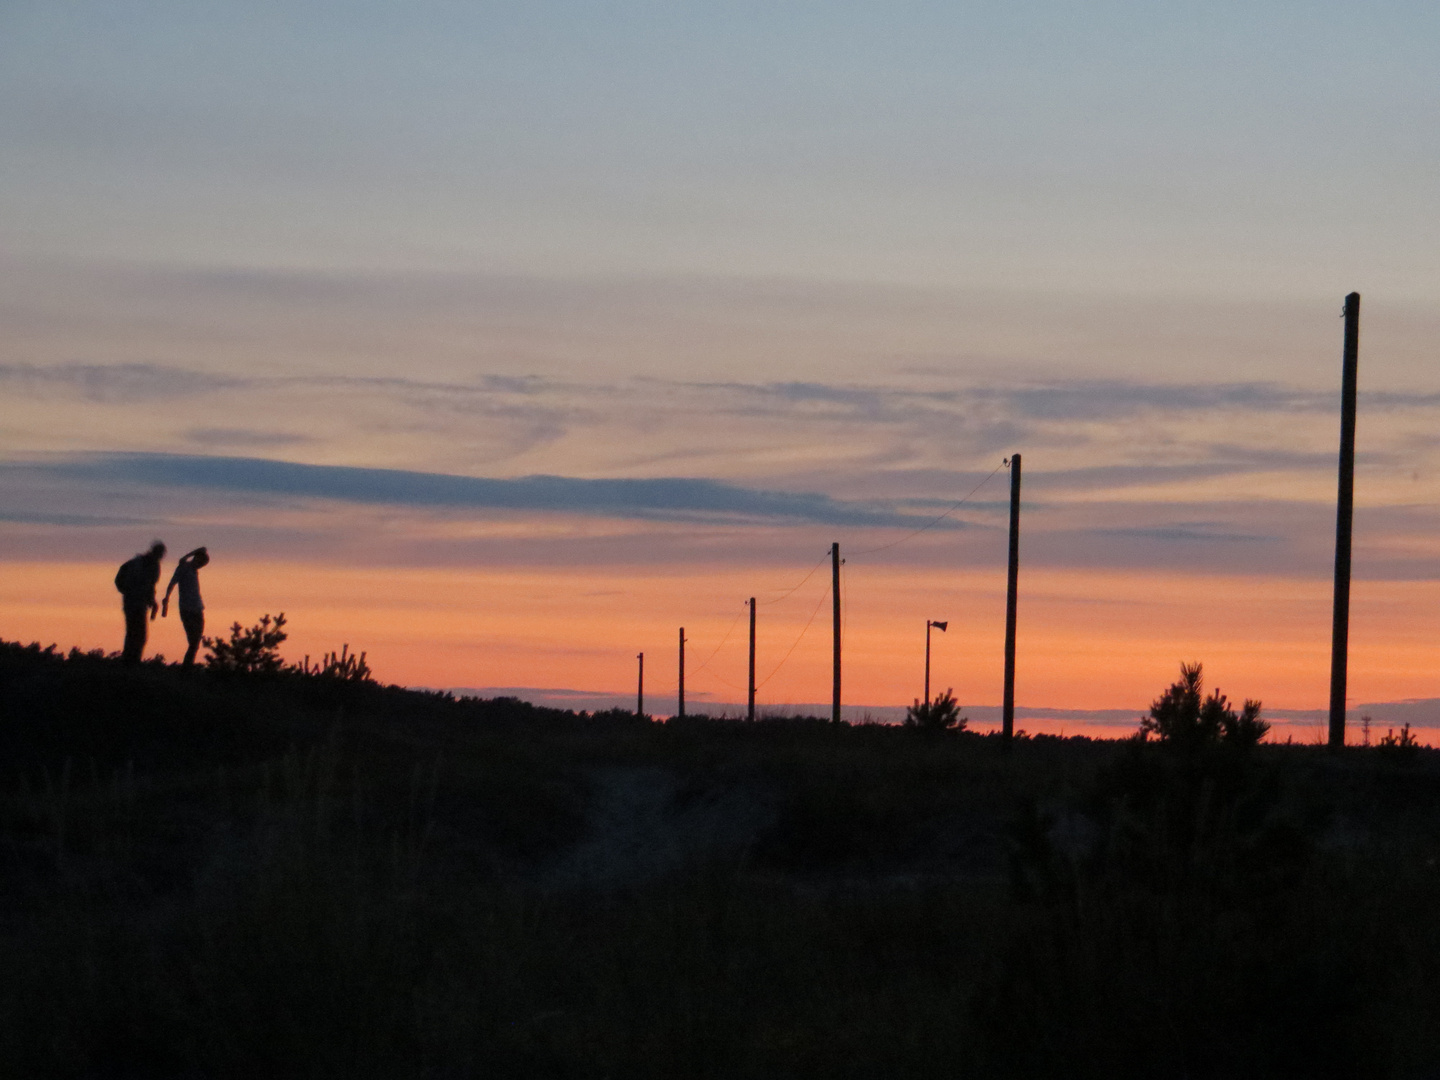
1087	640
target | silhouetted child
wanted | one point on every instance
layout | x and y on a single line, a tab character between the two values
192	608
136	580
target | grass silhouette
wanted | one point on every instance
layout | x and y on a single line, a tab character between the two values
220	874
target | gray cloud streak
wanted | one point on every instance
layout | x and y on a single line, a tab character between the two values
226	436
1208	532
118	383
665	498
1074	399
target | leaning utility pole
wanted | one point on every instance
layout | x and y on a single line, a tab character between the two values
682	673
750	712
1008	714
1344	515
640	689
835	594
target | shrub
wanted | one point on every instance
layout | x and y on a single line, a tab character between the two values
1181	716
942	714
254	651
1402	747
344	665
1247	729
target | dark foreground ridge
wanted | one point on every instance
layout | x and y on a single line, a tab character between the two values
210	875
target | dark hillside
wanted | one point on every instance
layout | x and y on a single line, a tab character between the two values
209	875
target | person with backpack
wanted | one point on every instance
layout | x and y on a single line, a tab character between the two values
192	608
136	580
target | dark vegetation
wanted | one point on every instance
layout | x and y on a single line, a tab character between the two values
219	873
940	714
1183	717
256	651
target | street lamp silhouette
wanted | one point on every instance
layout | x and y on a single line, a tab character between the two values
938	626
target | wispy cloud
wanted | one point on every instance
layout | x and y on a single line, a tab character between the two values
23	517
1209	532
1113	399
114	383
1117	473
1093	430
1070	399
223	436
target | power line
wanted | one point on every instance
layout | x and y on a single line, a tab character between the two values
728	683
719	647
736	622
796	641
803	580
844	589
942	517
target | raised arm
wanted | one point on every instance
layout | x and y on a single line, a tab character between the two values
174	581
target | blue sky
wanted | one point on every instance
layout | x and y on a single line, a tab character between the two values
1271	149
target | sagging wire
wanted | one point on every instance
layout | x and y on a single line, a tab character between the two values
942	517
844	589
724	639
803	580
730	684
744	605
796	641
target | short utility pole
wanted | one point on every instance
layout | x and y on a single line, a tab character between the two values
1007	723
835	596
938	626
640	689
1344	516
750	710
682	674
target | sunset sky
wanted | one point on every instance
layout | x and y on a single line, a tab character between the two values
502	340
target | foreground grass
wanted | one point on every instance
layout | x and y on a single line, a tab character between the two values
298	877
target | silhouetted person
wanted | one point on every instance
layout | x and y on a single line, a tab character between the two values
192	608
136	580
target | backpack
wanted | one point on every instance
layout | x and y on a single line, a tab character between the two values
130	578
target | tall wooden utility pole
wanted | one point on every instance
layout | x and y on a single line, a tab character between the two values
1008	714
682	673
640	688
1344	515
750	711
835	594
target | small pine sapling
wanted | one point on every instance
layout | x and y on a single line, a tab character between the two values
253	651
1183	716
942	714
